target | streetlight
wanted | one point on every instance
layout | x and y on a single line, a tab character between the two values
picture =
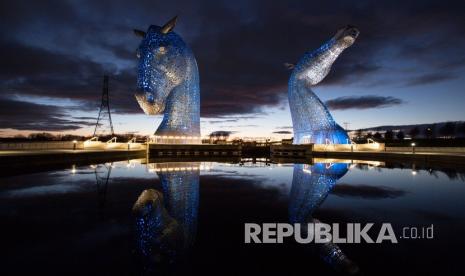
413	147
74	144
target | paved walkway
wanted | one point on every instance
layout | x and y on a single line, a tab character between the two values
398	156
60	151
428	153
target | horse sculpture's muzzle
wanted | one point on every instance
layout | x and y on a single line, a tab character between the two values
148	104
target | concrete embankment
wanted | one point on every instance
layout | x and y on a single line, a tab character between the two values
425	157
13	162
451	156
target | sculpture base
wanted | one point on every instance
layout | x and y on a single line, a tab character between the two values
182	140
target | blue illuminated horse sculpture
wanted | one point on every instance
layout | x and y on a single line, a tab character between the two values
168	83
312	122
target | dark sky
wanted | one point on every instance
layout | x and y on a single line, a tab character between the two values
53	55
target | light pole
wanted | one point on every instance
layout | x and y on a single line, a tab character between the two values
74	144
413	147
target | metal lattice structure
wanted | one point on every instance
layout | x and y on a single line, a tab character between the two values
311	119
168	83
104	125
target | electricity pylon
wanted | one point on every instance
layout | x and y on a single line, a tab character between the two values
104	123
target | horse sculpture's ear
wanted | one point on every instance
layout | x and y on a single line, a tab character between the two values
169	26
139	33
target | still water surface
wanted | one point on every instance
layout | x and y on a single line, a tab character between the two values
84	220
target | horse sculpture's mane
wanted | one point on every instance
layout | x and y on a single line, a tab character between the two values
312	122
168	83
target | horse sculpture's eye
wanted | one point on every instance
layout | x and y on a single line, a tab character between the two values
137	53
160	51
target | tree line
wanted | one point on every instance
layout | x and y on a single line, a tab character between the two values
46	136
449	130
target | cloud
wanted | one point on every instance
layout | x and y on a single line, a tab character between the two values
240	99
38	72
61	49
362	102
240	126
430	78
45	190
223	121
282	132
366	191
222	132
84	118
30	116
346	73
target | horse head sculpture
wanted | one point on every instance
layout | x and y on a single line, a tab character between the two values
311	119
168	82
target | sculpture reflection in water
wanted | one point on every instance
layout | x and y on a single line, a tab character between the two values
311	184
166	223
